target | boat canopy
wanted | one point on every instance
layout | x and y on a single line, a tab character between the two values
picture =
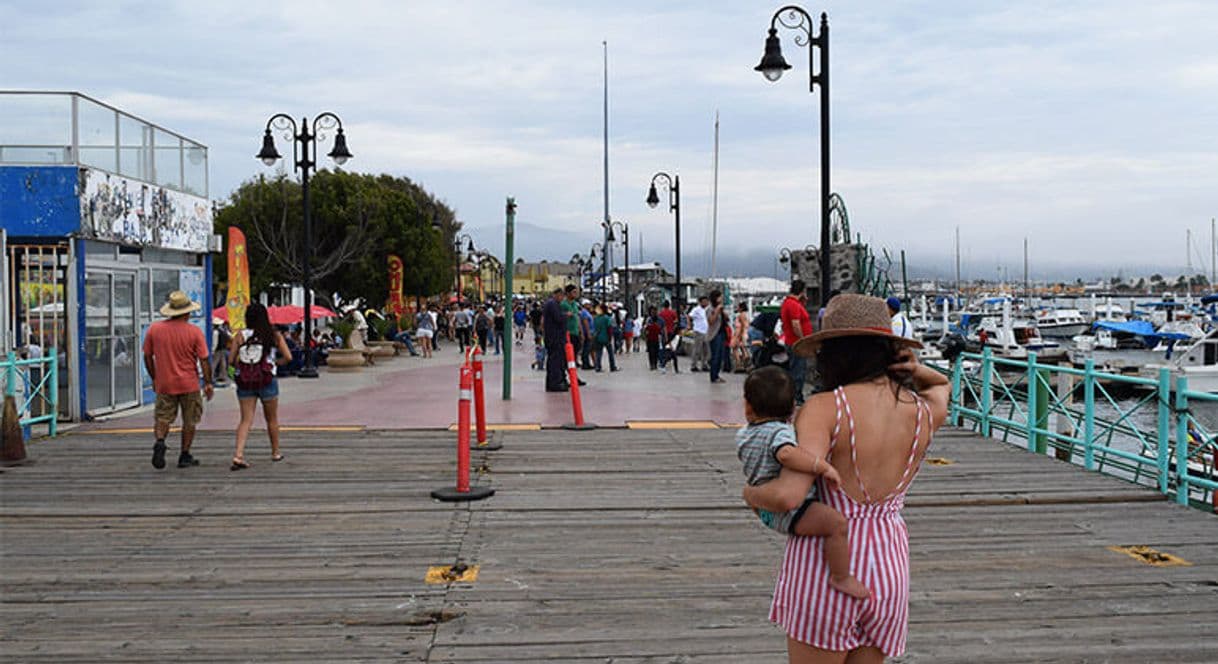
1140	328
1210	299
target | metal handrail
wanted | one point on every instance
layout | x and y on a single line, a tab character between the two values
1003	397
46	388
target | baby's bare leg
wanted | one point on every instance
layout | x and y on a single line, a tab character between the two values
820	520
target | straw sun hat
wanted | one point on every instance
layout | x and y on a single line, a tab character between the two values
851	315
179	303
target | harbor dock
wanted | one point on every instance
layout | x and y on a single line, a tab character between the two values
615	545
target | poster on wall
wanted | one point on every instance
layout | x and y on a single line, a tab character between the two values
133	212
190	281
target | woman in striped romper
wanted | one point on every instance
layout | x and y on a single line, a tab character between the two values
874	425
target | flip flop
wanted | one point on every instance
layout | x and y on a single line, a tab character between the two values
276	457
239	464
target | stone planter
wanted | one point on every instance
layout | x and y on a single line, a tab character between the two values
345	359
382	349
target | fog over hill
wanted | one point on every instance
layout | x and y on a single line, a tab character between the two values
534	243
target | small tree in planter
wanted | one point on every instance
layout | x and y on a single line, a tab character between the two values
384	347
345	358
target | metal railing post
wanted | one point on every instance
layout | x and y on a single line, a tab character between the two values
10	376
987	399
1182	484
957	375
1089	415
1162	453
1028	416
53	424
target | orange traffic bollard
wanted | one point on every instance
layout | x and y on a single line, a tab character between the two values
463	491
480	403
577	406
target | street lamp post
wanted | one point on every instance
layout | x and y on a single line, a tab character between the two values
625	229
303	138
457	240
772	66
673	184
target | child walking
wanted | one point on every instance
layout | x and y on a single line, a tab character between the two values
768	450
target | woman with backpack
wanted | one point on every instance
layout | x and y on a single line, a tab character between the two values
253	354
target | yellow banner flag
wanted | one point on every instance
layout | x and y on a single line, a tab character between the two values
397	303
238	279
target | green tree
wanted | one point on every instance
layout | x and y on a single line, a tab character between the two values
358	221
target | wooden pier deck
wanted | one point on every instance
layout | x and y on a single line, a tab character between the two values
603	546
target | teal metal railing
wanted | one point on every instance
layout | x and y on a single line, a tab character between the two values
1143	429
34	384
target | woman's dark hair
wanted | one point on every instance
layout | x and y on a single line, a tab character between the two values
845	360
258	322
716	297
770	392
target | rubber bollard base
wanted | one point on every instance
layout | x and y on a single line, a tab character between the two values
489	446
586	426
451	495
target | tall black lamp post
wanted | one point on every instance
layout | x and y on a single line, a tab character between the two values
305	138
625	230
673	184
773	65
457	240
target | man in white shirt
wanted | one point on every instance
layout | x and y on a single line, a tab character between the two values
697	321
900	323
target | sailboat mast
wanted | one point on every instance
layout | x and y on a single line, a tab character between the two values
1027	292
1213	254
605	277
715	203
1188	260
957	260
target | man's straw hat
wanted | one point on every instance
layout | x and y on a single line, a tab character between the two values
179	303
851	315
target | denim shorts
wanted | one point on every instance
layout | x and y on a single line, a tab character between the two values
265	394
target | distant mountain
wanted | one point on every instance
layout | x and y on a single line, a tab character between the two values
535	243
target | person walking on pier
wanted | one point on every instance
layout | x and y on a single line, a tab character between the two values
554	330
700	356
796	324
874	423
256	351
174	352
716	335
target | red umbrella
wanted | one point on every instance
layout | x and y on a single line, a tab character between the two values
284	315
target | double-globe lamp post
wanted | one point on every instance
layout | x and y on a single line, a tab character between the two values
624	228
469	250
673	184
597	246
772	66
305	138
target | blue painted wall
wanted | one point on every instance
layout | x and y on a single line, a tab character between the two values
39	201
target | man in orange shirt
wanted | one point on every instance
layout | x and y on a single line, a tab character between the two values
174	351
796	324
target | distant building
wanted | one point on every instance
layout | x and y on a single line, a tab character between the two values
103	215
540	279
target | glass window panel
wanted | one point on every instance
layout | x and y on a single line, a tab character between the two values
124	305
164	282
35	128
96	135
135	148
145	295
168	159
195	165
97	374
126	364
97	305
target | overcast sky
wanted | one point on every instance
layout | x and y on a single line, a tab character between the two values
1090	127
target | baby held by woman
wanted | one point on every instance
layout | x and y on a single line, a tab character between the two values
771	455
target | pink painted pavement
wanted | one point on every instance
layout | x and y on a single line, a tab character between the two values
408	393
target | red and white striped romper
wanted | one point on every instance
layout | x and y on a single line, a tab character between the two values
812	612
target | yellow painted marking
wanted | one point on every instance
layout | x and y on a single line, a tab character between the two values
730	425
671	424
939	461
330	428
1149	556
505	426
121	431
444	574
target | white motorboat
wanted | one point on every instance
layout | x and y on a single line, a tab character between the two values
1061	323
